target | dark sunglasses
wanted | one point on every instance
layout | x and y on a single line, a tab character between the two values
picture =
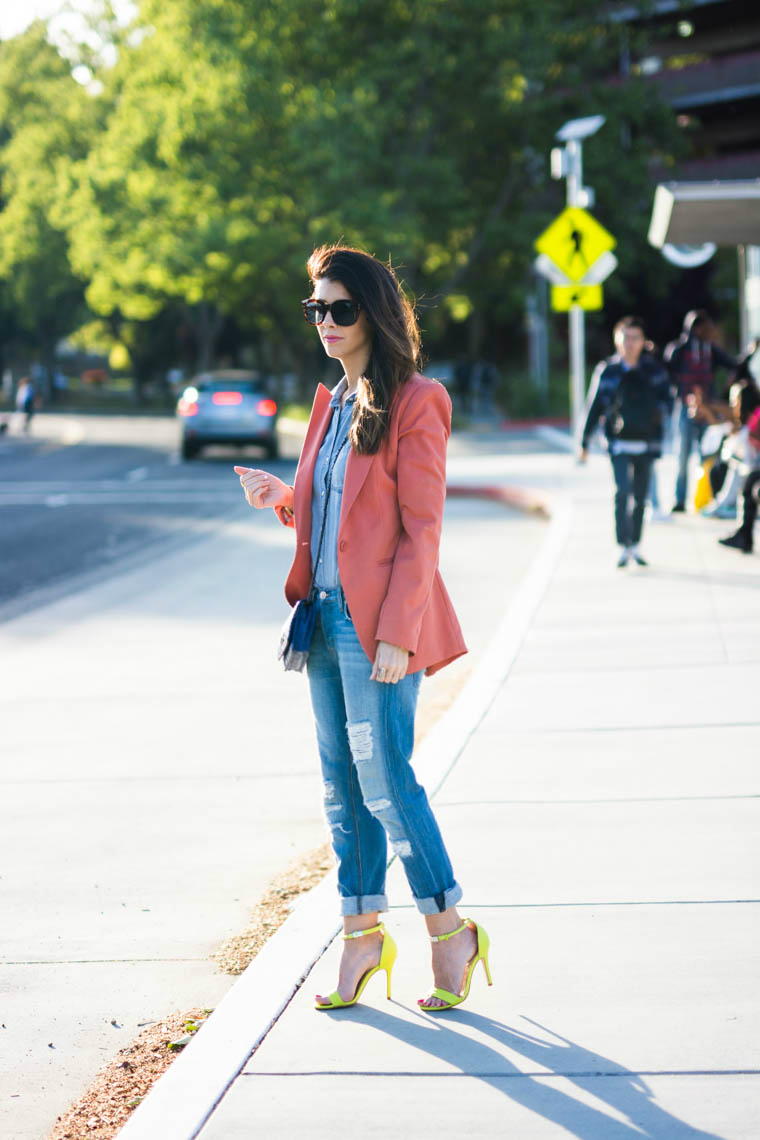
343	312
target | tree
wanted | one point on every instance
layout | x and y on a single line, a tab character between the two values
244	133
46	119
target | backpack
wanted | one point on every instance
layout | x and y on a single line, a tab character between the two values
635	412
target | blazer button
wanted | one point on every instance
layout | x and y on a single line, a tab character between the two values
342	545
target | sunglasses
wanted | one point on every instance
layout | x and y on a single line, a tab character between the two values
342	312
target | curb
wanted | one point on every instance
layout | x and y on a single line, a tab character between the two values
186	1095
552	434
522	498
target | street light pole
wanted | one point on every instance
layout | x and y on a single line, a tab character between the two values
568	164
576	316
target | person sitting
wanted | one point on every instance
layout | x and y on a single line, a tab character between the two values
742	538
736	454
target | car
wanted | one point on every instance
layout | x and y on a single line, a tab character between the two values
230	406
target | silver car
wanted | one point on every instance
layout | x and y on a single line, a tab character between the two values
232	407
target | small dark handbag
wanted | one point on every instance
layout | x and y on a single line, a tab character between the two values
298	629
296	635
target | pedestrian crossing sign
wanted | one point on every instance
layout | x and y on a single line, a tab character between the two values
574	241
565	297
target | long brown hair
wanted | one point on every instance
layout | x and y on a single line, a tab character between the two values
394	354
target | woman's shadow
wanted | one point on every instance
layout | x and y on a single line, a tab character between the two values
594	1075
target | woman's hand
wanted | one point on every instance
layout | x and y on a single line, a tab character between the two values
263	489
391	662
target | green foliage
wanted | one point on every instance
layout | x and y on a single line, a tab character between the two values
45	120
231	136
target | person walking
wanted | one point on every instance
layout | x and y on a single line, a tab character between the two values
630	392
692	362
367	509
26	401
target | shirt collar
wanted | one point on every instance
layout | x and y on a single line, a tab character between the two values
337	394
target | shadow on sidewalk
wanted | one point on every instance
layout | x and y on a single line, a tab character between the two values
623	1090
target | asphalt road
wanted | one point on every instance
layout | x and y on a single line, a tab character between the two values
80	500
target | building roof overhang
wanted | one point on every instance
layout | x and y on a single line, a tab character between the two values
691	213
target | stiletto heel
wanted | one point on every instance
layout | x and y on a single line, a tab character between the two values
387	960
480	955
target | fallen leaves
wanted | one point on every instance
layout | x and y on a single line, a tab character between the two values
236	954
124	1082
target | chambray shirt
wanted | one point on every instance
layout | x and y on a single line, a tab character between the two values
326	577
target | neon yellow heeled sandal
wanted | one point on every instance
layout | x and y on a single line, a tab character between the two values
480	955
387	958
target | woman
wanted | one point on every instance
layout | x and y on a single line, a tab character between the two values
367	508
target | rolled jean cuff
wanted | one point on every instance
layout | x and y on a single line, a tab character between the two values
362	904
449	898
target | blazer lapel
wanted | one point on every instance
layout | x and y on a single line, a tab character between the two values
315	433
357	469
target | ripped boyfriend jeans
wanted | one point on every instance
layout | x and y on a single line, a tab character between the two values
365	734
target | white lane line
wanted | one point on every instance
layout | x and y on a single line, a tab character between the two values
118	498
13	486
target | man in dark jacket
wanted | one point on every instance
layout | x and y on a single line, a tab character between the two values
692	362
631	393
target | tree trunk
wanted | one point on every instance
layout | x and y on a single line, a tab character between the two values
207	323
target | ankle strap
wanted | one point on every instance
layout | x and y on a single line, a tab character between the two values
361	933
446	937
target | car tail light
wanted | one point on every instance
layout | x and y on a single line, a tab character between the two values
266	408
227	399
187	407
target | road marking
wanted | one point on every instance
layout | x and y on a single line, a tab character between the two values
124	497
48	485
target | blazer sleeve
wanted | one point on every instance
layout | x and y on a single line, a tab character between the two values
286	517
421	487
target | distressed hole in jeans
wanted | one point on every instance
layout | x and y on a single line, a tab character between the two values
360	740
376	806
330	792
402	847
338	827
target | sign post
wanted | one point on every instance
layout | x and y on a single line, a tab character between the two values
579	250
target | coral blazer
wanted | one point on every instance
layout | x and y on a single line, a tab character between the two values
390	528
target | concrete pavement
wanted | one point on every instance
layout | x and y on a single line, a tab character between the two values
602	816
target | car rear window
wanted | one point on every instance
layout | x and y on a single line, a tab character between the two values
248	387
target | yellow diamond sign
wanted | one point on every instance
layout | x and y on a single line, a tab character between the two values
585	296
574	241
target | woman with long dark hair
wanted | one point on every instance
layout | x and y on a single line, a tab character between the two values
367	508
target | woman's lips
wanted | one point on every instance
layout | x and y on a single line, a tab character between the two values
332	339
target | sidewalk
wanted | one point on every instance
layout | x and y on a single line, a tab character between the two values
602	817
